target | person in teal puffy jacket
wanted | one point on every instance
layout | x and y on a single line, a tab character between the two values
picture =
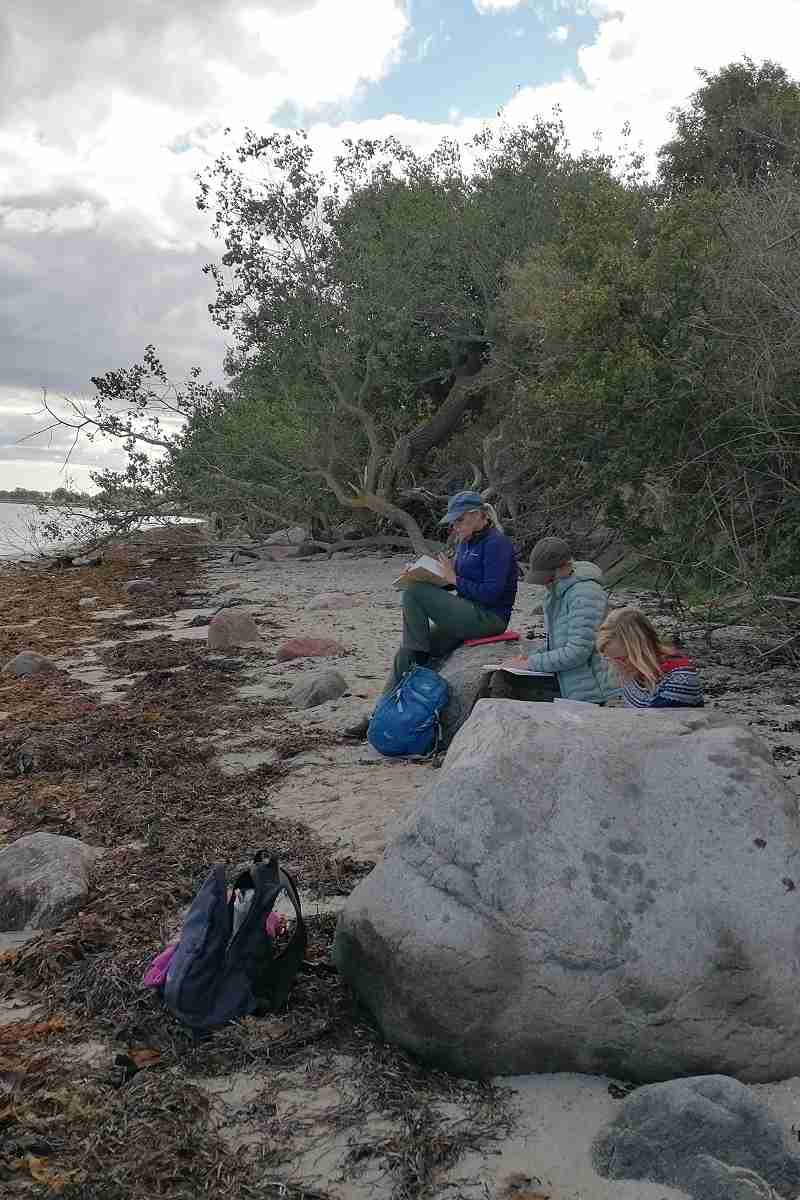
574	609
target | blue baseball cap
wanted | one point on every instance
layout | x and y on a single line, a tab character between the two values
462	502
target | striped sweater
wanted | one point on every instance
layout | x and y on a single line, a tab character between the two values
678	687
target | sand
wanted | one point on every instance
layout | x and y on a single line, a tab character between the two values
354	800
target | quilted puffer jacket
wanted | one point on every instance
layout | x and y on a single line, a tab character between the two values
574	608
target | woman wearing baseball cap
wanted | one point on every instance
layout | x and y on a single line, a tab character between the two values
574	609
483	587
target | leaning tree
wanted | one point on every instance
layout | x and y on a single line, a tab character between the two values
361	304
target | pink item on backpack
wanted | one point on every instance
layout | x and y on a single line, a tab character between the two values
274	924
156	973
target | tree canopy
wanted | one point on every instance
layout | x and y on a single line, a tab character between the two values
739	128
585	344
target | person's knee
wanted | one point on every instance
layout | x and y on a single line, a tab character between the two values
412	591
412	595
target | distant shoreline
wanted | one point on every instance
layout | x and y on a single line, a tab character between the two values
31	503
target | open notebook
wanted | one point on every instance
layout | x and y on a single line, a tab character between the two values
425	570
517	670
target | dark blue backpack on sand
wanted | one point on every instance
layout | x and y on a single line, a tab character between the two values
225	965
406	722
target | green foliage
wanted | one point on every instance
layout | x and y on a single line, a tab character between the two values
742	124
60	495
660	364
634	345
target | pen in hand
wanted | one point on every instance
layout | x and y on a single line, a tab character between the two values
447	568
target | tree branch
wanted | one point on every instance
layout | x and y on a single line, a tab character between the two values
356	408
429	434
379	505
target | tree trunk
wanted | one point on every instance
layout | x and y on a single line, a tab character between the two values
416	445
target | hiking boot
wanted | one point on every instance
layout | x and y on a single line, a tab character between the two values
359	730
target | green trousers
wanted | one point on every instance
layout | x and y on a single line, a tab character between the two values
435	621
537	689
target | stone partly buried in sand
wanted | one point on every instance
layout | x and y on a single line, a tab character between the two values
27	663
708	1136
308	647
308	693
601	891
141	587
332	600
231	628
44	878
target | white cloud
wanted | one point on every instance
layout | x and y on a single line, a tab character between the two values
559	34
106	115
490	6
108	111
643	60
39	462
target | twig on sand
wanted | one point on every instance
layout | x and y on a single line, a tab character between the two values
780	646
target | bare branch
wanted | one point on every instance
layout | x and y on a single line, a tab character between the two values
379	505
356	408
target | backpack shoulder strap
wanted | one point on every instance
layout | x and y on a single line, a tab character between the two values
274	982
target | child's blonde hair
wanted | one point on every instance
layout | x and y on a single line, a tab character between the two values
640	641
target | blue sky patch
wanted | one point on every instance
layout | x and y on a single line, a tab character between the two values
458	61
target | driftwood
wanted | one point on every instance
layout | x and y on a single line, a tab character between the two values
331	548
780	646
313	545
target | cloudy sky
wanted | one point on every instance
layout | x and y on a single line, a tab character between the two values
108	111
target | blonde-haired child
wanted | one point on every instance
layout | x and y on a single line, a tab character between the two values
655	673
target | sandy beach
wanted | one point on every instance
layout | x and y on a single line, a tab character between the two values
216	762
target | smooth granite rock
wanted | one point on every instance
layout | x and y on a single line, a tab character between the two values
44	878
598	890
707	1135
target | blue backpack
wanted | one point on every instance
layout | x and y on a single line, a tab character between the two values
225	965
406	721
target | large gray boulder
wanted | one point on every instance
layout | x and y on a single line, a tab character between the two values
605	891
465	675
44	878
707	1135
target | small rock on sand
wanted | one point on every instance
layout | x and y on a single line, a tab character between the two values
44	878
26	663
140	587
307	647
327	685
288	537
231	628
332	600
